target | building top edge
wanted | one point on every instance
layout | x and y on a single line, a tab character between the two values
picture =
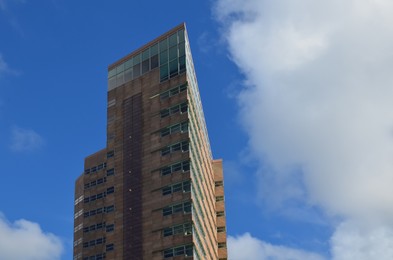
152	42
102	151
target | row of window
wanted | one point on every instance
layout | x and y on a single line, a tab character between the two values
185	250
147	60
101	195
95	257
184	186
183	146
98	226
169	169
95	182
98	181
109	247
99	211
173	91
182	207
180	127
95	168
94	227
182	108
98	241
185	229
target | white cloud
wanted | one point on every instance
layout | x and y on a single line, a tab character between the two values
25	140
246	247
362	242
317	106
24	240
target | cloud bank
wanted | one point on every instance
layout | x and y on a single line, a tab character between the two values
25	140
24	240
317	105
246	247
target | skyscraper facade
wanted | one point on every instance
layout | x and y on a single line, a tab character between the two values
155	191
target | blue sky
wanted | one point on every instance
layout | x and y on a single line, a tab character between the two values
297	99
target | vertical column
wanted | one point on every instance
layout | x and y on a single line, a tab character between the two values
132	189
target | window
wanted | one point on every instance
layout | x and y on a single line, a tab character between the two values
219	183
184	166
110	154
166	190
178	229
168	253
186	250
100	225
183	146
79	227
177	208
179	250
110	172
173	91
110	190
167	232
220	214
167	211
187	207
100	256
110	228
110	209
182	207
177	187
220	229
184	186
95	168
110	247
219	198
183	229
182	108
222	245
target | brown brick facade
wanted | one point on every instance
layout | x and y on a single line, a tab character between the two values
152	193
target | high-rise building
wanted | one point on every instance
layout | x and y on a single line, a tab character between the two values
155	191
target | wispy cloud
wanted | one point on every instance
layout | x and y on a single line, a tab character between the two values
3	65
246	247
317	107
25	240
25	140
4	3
